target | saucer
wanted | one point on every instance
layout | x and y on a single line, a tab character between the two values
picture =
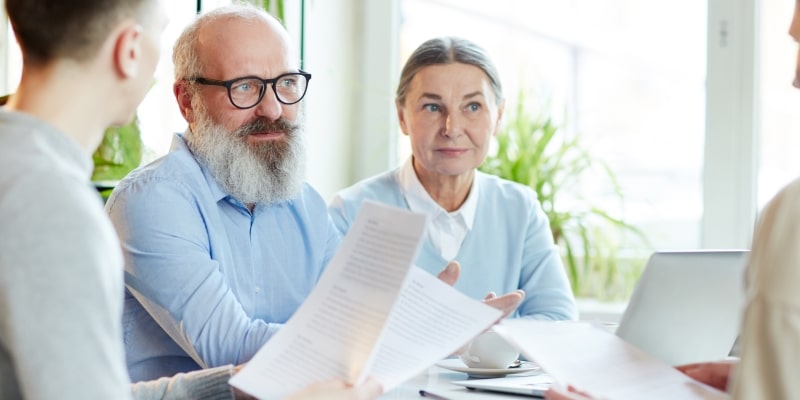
457	365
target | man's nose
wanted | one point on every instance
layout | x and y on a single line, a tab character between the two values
269	107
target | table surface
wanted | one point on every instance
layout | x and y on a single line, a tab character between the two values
438	380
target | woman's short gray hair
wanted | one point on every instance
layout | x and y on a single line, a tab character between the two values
447	50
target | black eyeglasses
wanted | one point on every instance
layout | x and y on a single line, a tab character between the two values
248	91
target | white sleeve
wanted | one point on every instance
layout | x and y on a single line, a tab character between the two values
770	338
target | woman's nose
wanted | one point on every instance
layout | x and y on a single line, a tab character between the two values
453	125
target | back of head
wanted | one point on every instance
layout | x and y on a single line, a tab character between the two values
73	29
447	50
185	52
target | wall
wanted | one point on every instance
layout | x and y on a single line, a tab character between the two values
350	114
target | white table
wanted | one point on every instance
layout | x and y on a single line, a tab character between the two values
438	380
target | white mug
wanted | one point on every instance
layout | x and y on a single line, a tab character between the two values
490	351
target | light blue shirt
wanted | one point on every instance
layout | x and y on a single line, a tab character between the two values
508	247
208	282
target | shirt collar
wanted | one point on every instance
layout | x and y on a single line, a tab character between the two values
419	200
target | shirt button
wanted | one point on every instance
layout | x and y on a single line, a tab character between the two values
258	289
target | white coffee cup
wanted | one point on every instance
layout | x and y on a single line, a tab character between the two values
490	351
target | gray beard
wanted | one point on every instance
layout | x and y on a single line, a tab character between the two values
264	173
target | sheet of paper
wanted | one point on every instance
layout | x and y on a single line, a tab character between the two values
430	321
333	333
596	361
339	330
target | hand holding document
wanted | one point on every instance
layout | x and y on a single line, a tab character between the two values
371	314
598	362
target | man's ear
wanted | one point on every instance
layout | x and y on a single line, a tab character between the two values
184	97
128	50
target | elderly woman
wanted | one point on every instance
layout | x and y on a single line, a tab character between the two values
450	103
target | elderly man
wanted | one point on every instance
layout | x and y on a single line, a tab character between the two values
221	237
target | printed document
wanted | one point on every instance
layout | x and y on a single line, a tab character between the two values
371	314
596	361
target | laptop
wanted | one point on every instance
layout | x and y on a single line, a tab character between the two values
533	385
686	306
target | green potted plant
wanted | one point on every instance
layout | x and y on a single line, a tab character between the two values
119	153
534	151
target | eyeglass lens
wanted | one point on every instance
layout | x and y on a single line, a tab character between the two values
247	92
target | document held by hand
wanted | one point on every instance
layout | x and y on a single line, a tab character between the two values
371	314
596	361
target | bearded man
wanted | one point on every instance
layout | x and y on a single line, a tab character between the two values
222	238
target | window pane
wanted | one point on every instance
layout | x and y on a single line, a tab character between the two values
159	116
779	121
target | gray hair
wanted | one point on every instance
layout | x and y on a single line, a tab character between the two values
447	50
184	54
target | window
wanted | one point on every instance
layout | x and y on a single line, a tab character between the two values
159	117
779	108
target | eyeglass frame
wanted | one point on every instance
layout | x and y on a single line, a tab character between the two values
267	82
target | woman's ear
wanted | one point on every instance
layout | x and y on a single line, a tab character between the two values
401	118
500	108
128	50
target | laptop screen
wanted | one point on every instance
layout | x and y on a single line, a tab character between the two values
686	306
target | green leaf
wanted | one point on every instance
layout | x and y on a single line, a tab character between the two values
119	152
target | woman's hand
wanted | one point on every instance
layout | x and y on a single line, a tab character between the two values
449	274
506	303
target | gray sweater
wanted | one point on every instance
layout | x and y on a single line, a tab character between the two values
61	282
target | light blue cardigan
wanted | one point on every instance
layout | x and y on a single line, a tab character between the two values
510	245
